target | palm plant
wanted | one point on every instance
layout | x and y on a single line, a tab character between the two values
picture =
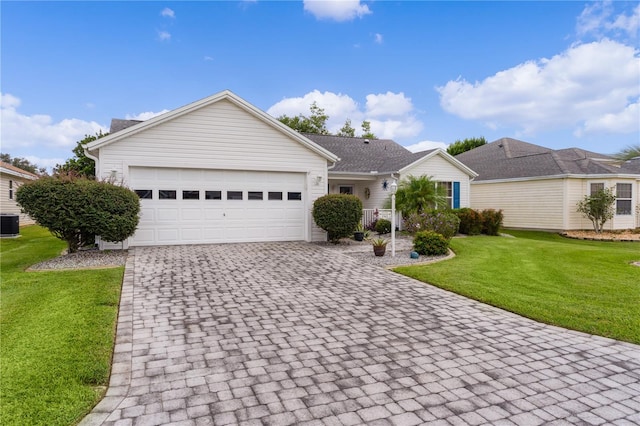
419	193
631	151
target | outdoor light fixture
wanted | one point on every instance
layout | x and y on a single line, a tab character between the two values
318	180
394	188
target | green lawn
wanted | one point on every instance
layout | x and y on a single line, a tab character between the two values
56	331
582	285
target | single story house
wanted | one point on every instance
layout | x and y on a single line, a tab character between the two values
11	178
539	188
221	170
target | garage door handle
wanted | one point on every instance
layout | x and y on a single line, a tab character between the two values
224	214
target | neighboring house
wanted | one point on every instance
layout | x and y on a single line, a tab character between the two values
11	178
221	170
368	166
539	188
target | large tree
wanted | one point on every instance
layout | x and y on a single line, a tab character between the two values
460	146
80	165
23	163
366	130
316	122
347	130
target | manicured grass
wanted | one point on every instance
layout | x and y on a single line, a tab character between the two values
57	333
588	286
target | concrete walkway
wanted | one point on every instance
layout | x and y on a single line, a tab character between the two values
294	333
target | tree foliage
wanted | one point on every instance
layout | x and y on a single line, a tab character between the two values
627	153
416	194
347	130
316	122
23	163
598	207
338	214
80	164
75	210
460	146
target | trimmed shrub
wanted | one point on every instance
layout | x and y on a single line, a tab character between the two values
470	221
491	221
443	222
383	226
75	210
338	214
430	243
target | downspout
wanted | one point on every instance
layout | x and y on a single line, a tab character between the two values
94	158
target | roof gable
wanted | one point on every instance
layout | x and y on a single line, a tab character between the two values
126	128
17	171
508	158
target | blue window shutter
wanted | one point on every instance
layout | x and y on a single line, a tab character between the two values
456	195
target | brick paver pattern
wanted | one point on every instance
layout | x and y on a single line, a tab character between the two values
293	333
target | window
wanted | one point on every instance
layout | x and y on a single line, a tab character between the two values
234	195
190	195
447	192
595	187
213	195
145	194
623	198
254	195
346	189
294	195
166	194
275	195
10	189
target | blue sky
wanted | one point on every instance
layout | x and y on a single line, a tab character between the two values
557	74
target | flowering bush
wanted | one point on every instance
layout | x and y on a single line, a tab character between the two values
443	222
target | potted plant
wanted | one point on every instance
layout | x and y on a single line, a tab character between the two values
379	246
358	234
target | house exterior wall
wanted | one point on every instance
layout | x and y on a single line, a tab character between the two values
548	204
535	204
8	204
218	136
443	171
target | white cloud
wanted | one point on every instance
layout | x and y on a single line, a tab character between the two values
598	19
39	130
426	145
208	58
164	35
625	121
145	115
378	38
390	114
337	10
168	13
575	89
394	104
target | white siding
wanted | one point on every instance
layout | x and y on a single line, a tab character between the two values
9	205
219	136
525	204
442	170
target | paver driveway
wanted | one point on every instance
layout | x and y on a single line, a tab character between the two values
284	333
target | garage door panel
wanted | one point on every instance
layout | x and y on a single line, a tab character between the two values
217	219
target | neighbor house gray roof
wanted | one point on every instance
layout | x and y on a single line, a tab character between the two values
360	155
509	158
118	124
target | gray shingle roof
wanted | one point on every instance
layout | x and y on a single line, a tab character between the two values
359	156
118	124
508	158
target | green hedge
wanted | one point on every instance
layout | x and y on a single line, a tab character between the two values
430	243
338	214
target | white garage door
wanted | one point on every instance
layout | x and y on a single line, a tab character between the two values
193	206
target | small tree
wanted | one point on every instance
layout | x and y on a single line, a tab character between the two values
417	194
347	130
598	207
75	210
338	214
366	130
80	164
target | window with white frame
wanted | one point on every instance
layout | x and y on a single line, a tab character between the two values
447	192
623	198
346	189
